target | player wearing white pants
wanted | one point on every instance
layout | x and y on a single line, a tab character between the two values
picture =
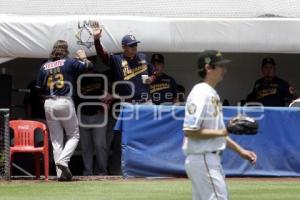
205	133
60	116
55	82
211	172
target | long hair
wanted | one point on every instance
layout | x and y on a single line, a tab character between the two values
60	50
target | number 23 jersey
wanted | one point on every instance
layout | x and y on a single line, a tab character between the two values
57	78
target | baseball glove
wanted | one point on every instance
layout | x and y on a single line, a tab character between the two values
242	125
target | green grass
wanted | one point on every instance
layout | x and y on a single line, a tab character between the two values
143	189
264	190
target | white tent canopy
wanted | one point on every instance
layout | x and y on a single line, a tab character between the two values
154	8
29	28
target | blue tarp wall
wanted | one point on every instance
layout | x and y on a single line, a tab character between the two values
152	137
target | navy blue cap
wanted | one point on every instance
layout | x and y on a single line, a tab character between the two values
268	60
129	40
157	58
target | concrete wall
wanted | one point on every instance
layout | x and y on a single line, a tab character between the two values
237	83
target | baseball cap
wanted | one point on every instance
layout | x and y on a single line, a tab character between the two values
211	57
129	40
268	60
157	58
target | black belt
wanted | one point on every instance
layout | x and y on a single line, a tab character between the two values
217	152
57	97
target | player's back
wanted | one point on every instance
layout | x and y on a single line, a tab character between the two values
57	77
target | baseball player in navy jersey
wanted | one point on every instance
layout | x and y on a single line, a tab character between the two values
127	66
205	133
55	82
270	90
164	89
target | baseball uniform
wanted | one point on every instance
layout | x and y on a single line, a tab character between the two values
204	111
163	89
275	92
128	69
55	80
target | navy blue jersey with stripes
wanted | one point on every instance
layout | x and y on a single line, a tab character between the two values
275	92
126	69
163	89
57	78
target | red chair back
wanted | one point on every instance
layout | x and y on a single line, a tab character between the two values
24	131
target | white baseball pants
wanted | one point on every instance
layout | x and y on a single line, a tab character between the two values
61	115
206	173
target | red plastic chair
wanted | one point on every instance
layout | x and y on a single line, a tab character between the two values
24	143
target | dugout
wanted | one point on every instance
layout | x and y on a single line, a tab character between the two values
237	83
245	31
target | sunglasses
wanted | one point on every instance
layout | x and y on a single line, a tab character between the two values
132	45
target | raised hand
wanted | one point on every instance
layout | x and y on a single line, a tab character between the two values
96	29
80	54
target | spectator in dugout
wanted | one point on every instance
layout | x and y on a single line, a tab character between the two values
271	90
91	116
164	89
128	66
